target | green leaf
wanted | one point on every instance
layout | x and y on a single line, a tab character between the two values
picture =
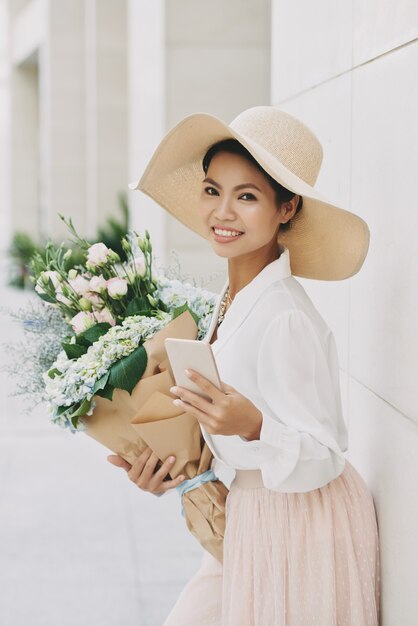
138	306
54	372
64	409
127	372
47	298
92	334
107	392
181	309
101	383
162	306
82	409
73	350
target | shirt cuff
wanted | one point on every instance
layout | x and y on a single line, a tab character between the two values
274	436
268	431
269	442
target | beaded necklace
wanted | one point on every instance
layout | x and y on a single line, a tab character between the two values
225	301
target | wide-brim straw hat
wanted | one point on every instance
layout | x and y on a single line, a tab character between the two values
325	241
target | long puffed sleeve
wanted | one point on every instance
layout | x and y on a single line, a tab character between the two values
298	449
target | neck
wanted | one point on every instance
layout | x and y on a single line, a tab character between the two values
242	270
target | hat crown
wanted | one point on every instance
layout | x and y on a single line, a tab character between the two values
286	138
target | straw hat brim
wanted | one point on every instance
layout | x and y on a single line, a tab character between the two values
325	241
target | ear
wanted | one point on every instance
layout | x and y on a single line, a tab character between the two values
288	209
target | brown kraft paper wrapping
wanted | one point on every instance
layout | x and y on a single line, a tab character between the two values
128	424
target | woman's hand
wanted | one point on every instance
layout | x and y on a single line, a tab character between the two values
142	472
228	412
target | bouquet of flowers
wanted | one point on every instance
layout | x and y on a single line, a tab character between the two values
112	377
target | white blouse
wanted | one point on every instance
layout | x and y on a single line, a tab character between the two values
274	347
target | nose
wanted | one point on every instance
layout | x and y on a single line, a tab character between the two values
224	208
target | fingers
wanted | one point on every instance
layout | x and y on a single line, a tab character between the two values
148	469
119	462
141	472
170	484
206	385
165	468
164	485
138	466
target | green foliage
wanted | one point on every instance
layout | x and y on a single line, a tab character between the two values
139	306
23	248
89	336
181	309
84	340
125	374
73	350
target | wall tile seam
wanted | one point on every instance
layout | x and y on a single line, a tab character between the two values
350	377
347	71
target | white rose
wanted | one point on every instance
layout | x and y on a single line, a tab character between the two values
98	284
117	287
95	300
82	321
97	254
54	276
61	298
105	316
140	266
80	285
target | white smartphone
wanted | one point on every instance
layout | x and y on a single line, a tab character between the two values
192	354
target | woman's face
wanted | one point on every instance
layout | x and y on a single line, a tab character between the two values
236	195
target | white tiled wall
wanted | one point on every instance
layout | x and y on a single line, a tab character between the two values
382	26
383	445
385	187
349	71
311	42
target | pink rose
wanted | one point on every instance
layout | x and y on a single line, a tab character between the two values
95	299
117	287
97	254
105	316
98	284
80	285
82	321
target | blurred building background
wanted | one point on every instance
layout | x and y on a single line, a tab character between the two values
91	86
87	90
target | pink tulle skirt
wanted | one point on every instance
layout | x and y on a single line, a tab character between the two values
290	559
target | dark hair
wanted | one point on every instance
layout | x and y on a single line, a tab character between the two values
233	146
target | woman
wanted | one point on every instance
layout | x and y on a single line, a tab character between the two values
301	543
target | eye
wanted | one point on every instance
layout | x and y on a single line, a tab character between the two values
207	189
251	196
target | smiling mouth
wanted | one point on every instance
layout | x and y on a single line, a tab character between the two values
240	232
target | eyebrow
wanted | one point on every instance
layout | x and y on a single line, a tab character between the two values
210	180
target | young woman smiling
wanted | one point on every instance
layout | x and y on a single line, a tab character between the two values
301	543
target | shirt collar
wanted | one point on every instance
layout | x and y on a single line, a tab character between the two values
246	297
